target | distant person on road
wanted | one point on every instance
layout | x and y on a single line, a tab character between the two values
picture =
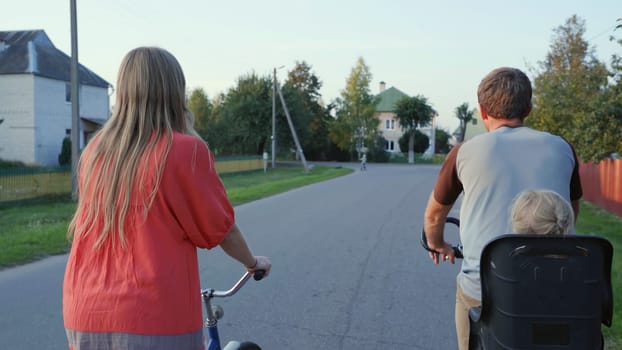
149	197
364	161
542	212
492	169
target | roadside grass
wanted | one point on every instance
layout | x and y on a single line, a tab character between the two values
593	220
34	228
250	186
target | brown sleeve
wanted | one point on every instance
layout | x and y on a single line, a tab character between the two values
448	187
576	190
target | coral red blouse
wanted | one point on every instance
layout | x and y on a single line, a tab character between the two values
152	285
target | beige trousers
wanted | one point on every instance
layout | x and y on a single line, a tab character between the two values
463	304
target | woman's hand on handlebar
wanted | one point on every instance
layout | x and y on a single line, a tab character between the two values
444	253
261	263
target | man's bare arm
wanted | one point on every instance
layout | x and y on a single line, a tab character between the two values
434	224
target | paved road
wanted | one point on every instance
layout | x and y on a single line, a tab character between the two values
348	273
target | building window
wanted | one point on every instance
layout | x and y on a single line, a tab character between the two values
68	92
389	146
389	124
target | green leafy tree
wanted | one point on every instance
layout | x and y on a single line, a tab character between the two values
466	116
201	107
246	113
442	141
413	113
610	141
216	134
355	125
569	89
302	94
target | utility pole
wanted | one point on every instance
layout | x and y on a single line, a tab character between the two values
75	106
293	130
274	116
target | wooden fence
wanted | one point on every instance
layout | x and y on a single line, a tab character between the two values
602	184
22	183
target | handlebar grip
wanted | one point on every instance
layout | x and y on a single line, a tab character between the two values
458	252
258	275
453	220
457	249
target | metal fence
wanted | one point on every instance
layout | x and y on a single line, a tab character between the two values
23	183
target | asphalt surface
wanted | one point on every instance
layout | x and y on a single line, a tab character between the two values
348	272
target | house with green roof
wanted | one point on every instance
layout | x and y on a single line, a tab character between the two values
385	111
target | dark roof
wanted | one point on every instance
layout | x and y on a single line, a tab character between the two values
32	52
388	98
98	121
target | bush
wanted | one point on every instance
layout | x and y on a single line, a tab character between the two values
64	158
11	164
422	142
377	153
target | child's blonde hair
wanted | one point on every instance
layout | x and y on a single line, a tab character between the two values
542	212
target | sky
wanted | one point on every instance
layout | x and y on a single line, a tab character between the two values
439	49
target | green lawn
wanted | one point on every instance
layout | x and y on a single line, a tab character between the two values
36	228
593	220
33	229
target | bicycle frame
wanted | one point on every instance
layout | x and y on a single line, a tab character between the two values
213	315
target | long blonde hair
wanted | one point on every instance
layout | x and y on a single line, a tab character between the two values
542	212
150	106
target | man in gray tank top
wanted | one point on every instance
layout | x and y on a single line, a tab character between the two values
492	169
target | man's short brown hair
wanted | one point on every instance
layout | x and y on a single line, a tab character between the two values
505	93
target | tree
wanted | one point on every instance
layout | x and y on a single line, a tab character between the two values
302	94
442	141
355	125
465	115
216	134
247	113
611	115
200	106
412	113
569	90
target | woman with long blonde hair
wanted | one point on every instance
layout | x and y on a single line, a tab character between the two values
149	195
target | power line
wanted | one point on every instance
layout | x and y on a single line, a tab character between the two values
603	32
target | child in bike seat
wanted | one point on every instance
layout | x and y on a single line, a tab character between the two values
542	212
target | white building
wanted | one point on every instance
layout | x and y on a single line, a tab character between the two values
35	98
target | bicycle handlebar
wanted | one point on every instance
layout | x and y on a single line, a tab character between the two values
457	248
257	275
